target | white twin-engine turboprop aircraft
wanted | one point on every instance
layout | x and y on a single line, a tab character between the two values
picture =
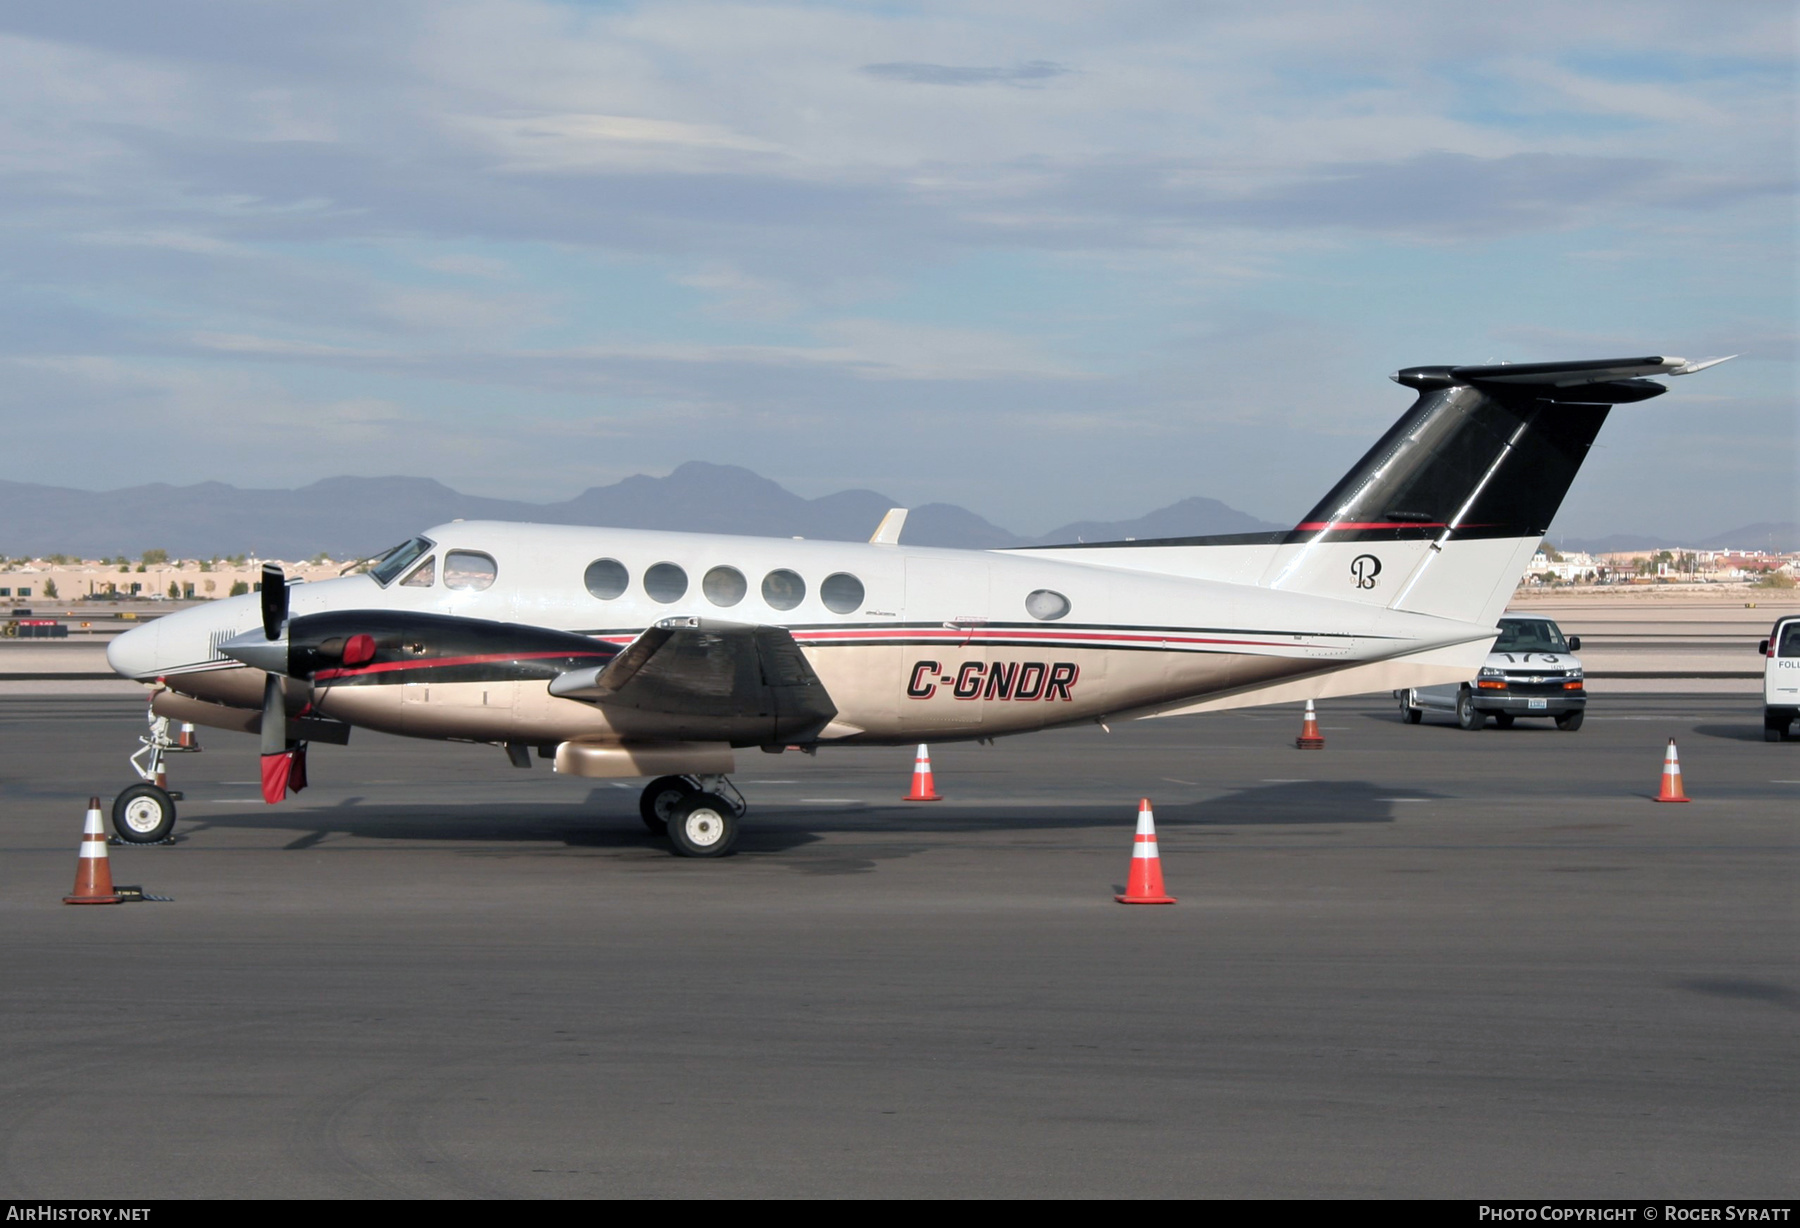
623	653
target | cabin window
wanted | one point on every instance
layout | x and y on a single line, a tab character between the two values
724	586
422	576
469	570
397	560
842	593
665	582
1046	605
606	578
783	589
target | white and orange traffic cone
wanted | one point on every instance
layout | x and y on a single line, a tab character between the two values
923	789
1671	777
1145	886
1310	738
93	872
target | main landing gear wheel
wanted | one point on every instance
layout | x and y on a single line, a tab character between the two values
143	814
1569	722
1467	715
1408	713
703	825
660	798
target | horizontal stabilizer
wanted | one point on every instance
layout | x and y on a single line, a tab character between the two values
1573	374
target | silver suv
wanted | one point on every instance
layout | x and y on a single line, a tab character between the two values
1531	671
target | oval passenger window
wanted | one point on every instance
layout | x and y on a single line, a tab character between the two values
842	593
665	582
724	586
469	570
1046	605
606	578
783	589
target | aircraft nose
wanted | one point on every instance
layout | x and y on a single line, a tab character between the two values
135	654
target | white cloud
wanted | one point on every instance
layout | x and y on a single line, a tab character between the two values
1012	212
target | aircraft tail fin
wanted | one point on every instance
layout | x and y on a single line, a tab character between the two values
1444	512
1442	515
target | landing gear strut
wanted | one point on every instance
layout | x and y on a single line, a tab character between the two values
699	814
145	813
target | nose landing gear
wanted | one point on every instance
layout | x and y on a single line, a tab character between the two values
699	814
145	813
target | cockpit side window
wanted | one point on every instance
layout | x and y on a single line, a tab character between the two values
389	566
422	576
470	570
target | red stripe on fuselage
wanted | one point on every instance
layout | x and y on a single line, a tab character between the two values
980	635
387	667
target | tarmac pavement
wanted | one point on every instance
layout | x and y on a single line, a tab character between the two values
1420	962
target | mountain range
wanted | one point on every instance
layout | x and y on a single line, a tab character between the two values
351	517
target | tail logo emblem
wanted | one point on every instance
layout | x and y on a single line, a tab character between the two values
1365	567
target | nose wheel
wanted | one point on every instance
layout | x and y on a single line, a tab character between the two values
145	813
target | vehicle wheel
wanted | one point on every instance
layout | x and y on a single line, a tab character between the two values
704	825
1503	719
1408	713
1775	728
657	803
1467	715
143	814
1569	722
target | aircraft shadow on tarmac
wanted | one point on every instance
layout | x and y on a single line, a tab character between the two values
1731	733
600	823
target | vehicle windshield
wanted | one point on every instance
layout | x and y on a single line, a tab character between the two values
1790	641
398	560
1530	635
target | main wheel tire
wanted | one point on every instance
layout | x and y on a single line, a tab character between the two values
1468	716
1569	722
660	799
704	825
1408	713
1503	719
143	814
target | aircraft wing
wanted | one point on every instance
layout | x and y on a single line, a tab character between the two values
697	679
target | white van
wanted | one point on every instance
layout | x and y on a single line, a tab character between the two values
1781	679
1531	671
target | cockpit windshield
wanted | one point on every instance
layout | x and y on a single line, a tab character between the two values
1529	635
398	560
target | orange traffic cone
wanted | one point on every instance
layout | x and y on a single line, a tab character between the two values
1310	738
93	873
1145	886
1671	780
923	790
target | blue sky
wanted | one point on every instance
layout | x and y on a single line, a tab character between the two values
1049	261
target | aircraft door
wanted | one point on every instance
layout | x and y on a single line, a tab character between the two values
944	675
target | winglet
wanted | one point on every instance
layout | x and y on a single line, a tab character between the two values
887	533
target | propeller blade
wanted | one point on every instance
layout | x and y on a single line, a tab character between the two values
274	720
274	600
